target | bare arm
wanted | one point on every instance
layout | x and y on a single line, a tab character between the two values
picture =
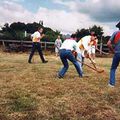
109	44
42	36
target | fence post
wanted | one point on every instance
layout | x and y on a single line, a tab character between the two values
3	43
101	46
45	46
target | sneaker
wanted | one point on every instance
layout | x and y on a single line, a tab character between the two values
111	85
59	76
45	61
85	75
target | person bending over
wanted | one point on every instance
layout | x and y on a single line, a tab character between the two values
66	54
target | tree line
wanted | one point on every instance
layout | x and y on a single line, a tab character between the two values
17	30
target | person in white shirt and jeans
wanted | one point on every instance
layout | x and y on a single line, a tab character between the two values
66	54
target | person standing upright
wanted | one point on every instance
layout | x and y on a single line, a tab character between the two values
115	39
58	43
36	37
93	46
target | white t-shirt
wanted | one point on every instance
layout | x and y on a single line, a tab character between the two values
85	42
58	43
70	44
36	36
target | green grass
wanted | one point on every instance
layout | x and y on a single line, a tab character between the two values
21	101
33	92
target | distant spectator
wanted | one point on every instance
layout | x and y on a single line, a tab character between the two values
58	44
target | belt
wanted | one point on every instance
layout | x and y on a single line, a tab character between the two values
65	49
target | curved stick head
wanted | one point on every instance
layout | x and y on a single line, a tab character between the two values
100	71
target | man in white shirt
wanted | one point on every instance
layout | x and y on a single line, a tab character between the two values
86	46
36	37
58	44
66	54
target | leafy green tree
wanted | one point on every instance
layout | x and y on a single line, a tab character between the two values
97	29
105	39
18	26
81	33
32	27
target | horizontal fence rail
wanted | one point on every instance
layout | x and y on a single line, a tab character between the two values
45	45
26	44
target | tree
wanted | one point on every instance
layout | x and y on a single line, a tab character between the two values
5	27
97	29
18	26
81	33
105	39
32	27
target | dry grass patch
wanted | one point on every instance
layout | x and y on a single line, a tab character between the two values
33	92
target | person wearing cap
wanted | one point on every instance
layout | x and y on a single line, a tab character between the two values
58	43
115	39
66	49
36	37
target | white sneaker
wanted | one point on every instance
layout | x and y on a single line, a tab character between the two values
111	85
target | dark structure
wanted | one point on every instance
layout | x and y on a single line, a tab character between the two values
118	25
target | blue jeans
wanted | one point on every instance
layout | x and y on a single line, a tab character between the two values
115	63
67	55
79	56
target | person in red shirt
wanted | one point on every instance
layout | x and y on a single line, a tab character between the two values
115	39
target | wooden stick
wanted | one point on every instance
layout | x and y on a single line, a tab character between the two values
102	51
99	71
93	63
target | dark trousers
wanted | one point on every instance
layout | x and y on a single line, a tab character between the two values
36	45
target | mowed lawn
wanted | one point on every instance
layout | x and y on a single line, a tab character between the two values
33	91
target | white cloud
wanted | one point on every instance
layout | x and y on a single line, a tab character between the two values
70	4
12	12
61	20
101	10
13	0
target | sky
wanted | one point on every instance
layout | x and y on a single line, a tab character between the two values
63	15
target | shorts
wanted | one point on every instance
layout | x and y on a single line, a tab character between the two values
91	50
56	50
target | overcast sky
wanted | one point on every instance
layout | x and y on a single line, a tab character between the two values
64	15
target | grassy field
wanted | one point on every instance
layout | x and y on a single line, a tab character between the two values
33	92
